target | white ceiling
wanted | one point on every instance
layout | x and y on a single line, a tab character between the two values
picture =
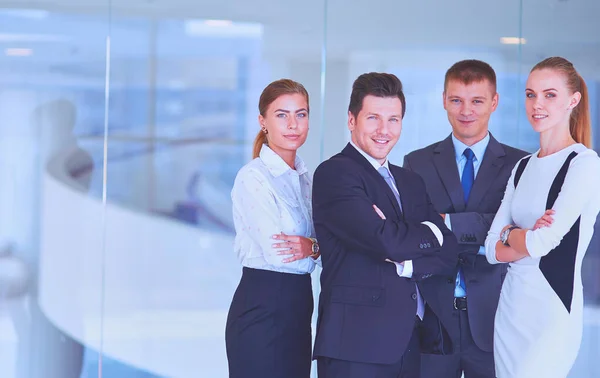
297	29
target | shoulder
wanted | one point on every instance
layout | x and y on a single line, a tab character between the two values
406	174
586	159
254	171
514	154
422	153
334	164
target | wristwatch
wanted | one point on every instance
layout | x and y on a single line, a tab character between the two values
505	234
315	248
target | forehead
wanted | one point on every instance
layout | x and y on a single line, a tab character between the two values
482	88
289	102
382	105
545	79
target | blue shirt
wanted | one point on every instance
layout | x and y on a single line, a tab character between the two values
478	150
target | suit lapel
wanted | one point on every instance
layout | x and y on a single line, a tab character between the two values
350	151
444	160
493	160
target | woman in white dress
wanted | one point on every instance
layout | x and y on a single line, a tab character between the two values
543	229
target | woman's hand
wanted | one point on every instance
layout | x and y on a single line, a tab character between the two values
545	220
297	247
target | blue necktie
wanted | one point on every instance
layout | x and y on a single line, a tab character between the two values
468	176
383	171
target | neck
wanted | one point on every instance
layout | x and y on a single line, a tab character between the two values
554	140
288	156
471	141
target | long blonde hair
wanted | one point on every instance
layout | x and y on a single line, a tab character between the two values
580	122
269	94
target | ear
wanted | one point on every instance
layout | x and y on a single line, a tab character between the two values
444	99
495	100
575	98
351	121
261	121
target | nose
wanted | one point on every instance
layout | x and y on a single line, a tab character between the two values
466	109
382	127
537	103
293	123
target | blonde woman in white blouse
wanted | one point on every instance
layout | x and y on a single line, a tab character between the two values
268	332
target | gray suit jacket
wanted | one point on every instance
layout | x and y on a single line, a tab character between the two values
470	222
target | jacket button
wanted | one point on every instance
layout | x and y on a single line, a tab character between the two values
450	280
421	245
375	298
414	296
429	245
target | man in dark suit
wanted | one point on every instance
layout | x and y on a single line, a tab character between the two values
465	175
378	234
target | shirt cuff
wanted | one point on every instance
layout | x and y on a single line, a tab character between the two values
407	269
436	231
447	222
481	251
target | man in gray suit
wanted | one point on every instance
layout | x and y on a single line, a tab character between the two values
465	175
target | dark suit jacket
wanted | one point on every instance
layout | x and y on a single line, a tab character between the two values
366	311
470	222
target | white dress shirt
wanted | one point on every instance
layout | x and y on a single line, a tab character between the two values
269	198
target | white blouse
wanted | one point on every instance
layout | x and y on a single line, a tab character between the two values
269	198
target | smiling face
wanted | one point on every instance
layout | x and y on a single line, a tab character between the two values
549	102
377	126
469	107
286	122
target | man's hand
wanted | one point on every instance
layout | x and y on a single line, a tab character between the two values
379	212
443	216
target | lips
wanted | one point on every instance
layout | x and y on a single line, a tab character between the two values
381	142
538	117
292	136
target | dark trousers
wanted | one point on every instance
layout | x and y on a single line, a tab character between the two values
268	332
407	367
467	357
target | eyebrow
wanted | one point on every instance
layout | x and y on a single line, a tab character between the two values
478	97
545	90
379	115
287	111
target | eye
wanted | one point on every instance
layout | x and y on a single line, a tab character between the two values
529	95
302	115
550	95
455	100
280	115
371	117
394	119
477	102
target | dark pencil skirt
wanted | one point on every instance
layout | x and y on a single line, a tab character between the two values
268	332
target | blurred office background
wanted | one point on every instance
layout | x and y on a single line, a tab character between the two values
123	123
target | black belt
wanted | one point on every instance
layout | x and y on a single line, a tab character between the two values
460	303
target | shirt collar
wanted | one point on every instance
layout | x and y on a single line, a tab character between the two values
370	159
478	148
276	165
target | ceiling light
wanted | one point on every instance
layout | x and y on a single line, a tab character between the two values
218	23
513	41
18	52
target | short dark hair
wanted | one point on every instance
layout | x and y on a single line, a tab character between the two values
375	84
470	71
